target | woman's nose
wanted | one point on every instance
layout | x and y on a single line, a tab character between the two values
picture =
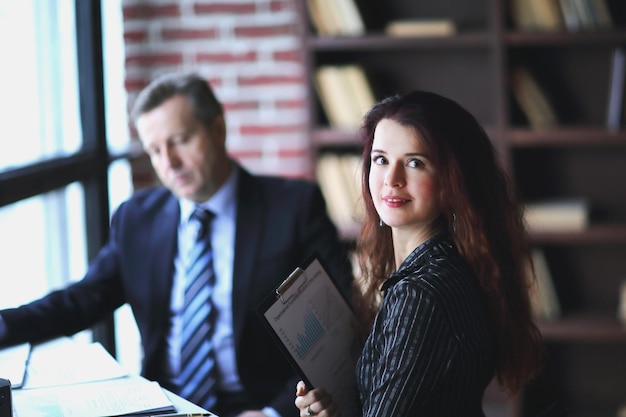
394	176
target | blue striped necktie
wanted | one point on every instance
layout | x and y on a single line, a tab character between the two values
197	377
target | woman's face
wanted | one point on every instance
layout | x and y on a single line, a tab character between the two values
403	179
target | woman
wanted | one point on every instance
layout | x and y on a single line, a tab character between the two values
443	240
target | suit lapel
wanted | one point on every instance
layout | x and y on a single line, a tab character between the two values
162	250
250	219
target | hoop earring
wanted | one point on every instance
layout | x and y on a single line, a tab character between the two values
454	222
380	222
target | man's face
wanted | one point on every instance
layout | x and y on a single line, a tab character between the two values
189	158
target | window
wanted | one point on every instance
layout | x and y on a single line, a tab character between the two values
59	181
36	234
40	92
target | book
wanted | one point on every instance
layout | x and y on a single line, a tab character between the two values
350	19
585	16
522	14
351	169
324	17
321	20
421	27
345	94
335	97
329	176
537	15
616	90
358	88
543	297
339	179
532	100
557	215
335	17
570	15
331	12
600	14
546	15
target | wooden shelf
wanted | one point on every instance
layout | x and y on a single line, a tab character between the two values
574	136
328	137
594	235
331	137
584	329
380	41
562	38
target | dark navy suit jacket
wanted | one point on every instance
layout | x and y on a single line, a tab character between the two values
280	223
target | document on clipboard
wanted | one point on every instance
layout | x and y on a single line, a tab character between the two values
314	327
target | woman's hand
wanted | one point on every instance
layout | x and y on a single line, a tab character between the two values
316	402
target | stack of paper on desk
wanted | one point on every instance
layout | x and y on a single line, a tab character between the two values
64	362
69	379
13	363
125	397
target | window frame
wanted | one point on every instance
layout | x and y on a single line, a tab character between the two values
90	164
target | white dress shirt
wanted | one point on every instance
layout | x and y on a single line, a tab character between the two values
223	206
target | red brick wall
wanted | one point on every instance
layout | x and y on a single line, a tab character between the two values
249	50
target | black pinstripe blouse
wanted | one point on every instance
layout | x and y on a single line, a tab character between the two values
430	350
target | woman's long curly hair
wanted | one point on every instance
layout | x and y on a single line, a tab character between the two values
481	213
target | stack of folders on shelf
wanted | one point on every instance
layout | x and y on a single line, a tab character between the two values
532	99
543	296
557	215
557	15
345	94
585	15
421	27
336	17
339	177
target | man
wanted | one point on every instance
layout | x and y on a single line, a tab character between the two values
262	228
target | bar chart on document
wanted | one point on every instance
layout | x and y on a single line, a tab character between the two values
315	324
312	332
319	316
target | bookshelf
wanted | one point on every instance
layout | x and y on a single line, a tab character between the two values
577	157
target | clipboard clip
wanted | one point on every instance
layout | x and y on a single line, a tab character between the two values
287	283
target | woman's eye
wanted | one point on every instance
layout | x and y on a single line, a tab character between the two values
415	163
379	160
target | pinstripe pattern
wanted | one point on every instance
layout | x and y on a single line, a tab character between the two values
430	351
197	377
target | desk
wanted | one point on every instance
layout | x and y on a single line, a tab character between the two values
67	378
184	406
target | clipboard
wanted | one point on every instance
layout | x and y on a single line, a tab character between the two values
313	325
